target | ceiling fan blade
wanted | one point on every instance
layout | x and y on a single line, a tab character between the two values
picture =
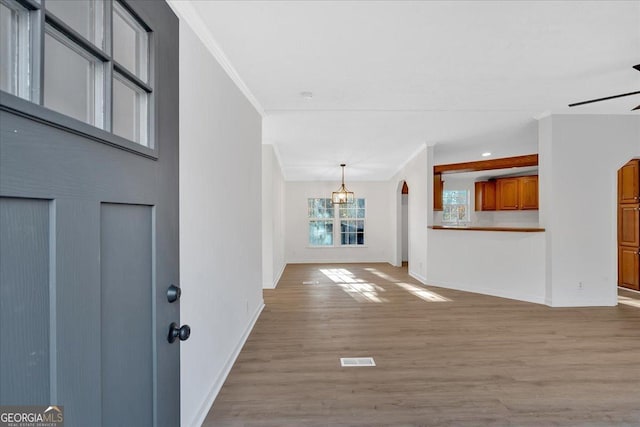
604	99
637	108
637	67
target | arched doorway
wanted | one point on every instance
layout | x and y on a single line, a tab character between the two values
404	235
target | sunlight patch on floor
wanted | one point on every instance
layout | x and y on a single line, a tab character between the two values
382	275
629	301
422	293
358	289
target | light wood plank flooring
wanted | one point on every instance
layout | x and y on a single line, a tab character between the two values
444	357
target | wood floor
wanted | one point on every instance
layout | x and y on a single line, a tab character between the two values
444	357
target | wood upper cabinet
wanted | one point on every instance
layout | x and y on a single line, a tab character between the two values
529	192
629	182
519	193
508	194
629	267
629	225
485	196
438	187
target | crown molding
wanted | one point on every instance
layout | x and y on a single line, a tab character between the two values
187	14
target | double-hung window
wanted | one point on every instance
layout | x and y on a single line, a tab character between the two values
321	217
455	207
352	223
330	223
88	60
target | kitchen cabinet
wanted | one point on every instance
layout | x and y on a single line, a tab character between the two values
629	267
485	195
517	193
629	182
438	187
629	225
528	192
508	194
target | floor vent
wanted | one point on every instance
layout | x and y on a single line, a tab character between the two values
347	362
311	282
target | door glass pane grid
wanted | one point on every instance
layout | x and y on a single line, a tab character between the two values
84	16
130	43
130	110
321	233
73	79
15	72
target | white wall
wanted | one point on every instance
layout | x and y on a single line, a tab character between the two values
420	183
515	142
504	264
377	233
220	225
579	159
273	188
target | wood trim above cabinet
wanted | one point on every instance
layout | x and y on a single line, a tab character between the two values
483	165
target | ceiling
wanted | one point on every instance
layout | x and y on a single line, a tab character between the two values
388	77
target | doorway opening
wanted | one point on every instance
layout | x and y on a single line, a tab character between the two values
404	235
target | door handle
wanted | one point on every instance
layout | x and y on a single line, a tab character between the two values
173	293
181	332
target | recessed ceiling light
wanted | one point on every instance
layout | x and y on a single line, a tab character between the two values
487	154
306	95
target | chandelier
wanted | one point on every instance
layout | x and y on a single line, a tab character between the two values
342	196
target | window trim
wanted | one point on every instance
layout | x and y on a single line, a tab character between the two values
34	107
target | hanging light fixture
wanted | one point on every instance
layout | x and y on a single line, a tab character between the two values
342	196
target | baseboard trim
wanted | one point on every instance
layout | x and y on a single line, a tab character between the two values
418	277
217	385
491	292
278	276
339	261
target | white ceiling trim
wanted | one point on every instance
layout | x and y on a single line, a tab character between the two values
406	162
186	13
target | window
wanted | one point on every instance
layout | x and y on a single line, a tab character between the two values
94	65
320	222
323	215
352	223
455	207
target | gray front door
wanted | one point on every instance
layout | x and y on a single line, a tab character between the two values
89	236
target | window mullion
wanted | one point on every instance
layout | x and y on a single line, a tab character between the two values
108	81
37	56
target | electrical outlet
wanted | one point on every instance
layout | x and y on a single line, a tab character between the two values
580	285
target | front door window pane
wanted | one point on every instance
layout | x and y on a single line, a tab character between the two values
14	49
73	80
84	16
130	109
130	43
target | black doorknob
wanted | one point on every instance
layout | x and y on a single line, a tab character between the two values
173	293
176	331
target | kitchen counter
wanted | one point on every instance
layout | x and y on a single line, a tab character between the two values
487	228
